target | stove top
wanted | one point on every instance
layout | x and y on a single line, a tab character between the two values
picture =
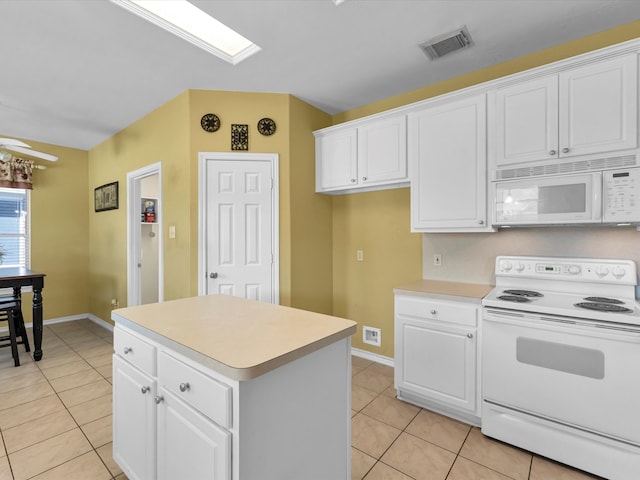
596	289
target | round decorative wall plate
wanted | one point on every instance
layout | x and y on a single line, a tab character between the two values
266	126
210	122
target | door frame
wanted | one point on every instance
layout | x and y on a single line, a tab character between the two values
203	195
134	196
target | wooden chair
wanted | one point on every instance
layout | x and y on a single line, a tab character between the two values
11	312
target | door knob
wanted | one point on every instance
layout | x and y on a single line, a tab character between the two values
565	150
213	275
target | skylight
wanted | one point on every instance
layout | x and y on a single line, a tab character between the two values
188	22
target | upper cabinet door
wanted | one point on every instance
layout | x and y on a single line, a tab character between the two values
447	152
338	168
382	151
599	107
526	122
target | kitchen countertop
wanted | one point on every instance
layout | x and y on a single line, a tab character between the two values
447	290
238	338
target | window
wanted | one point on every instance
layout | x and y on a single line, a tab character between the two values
15	241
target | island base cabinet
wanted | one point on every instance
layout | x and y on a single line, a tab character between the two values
189	445
134	427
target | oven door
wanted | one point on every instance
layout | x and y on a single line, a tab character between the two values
580	373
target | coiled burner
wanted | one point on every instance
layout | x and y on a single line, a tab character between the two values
603	307
514	298
614	301
523	293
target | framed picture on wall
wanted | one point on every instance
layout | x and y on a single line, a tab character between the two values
106	197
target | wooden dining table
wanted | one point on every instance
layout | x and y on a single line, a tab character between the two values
18	277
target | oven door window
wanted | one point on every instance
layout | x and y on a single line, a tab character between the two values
583	376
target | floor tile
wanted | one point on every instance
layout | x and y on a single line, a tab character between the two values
419	459
8	371
84	393
66	369
93	350
464	469
25	394
58	359
106	453
106	371
393	412
372	380
37	430
32	410
498	456
543	469
99	360
5	470
384	472
87	466
361	463
50	453
361	397
385	370
99	432
443	431
371	436
28	378
68	382
93	410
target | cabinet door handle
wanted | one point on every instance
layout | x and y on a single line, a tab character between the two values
364	179
469	335
353	180
145	389
433	312
552	152
565	150
480	222
213	275
127	350
184	386
158	399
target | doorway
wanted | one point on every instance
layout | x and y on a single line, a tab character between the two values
238	225
145	278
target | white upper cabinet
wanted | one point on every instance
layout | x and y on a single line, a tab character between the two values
585	110
369	155
448	162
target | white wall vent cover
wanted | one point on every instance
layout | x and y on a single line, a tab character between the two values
447	43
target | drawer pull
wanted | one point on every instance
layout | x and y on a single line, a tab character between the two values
433	312
158	399
128	350
184	386
145	389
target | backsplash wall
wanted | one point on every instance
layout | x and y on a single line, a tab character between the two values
470	257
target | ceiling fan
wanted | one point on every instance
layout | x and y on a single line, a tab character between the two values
21	147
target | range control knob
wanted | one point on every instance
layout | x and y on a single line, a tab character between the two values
574	269
602	271
618	272
520	267
506	265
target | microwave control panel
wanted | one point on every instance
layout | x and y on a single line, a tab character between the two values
621	195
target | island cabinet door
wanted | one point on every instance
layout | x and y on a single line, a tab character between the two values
134	421
190	446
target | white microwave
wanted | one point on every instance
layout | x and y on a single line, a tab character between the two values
608	197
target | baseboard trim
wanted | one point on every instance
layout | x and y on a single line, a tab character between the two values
70	318
374	357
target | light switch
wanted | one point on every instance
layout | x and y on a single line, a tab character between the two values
359	256
172	231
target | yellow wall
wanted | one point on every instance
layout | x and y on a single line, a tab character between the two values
60	231
378	222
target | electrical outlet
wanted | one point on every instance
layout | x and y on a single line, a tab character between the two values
437	259
372	336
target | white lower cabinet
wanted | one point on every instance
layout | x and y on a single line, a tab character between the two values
175	418
436	355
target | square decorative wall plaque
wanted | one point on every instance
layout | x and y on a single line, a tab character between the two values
239	137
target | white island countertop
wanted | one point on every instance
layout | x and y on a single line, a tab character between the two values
241	339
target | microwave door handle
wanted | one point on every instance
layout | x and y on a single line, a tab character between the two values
597	197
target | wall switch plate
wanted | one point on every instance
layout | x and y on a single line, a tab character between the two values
371	336
359	256
437	259
172	231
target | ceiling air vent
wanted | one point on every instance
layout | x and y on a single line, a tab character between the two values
447	43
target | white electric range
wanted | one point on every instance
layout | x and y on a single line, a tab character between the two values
561	361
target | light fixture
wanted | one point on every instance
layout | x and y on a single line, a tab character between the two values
188	22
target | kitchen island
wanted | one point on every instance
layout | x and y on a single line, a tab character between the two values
219	387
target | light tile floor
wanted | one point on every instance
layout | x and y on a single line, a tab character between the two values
55	422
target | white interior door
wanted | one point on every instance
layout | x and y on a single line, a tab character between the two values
239	211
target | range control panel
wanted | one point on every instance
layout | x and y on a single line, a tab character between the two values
568	269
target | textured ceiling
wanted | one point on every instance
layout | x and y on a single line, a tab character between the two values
76	72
